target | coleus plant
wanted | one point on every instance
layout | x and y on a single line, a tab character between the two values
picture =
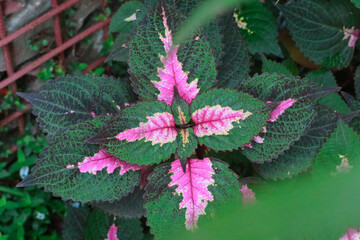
145	146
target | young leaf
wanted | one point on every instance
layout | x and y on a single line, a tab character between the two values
323	38
75	222
235	63
142	134
176	200
157	65
63	102
291	125
226	119
301	155
122	21
56	169
101	226
259	28
187	141
130	206
340	153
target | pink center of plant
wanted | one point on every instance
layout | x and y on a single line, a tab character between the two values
172	75
112	233
193	186
103	160
159	128
216	120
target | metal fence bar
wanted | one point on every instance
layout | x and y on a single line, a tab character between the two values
8	63
59	50
53	53
11	37
57	29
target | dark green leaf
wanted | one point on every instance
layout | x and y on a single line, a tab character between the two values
259	28
122	21
318	28
274	67
340	153
75	222
301	155
235	63
292	124
357	81
131	206
56	169
65	101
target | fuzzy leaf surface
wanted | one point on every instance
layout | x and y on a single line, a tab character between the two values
274	67
340	154
293	123
227	119
235	63
63	102
259	28
56	170
130	206
176	201
75	222
157	65
142	134
320	35
301	155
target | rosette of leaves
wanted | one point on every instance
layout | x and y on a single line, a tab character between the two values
106	149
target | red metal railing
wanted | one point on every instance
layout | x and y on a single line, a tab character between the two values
12	76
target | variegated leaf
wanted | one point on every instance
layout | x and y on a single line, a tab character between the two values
64	168
226	119
178	200
141	134
301	155
157	64
297	96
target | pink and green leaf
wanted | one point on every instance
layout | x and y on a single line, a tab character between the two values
300	157
157	65
142	134
290	120
103	160
56	169
227	119
178	200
